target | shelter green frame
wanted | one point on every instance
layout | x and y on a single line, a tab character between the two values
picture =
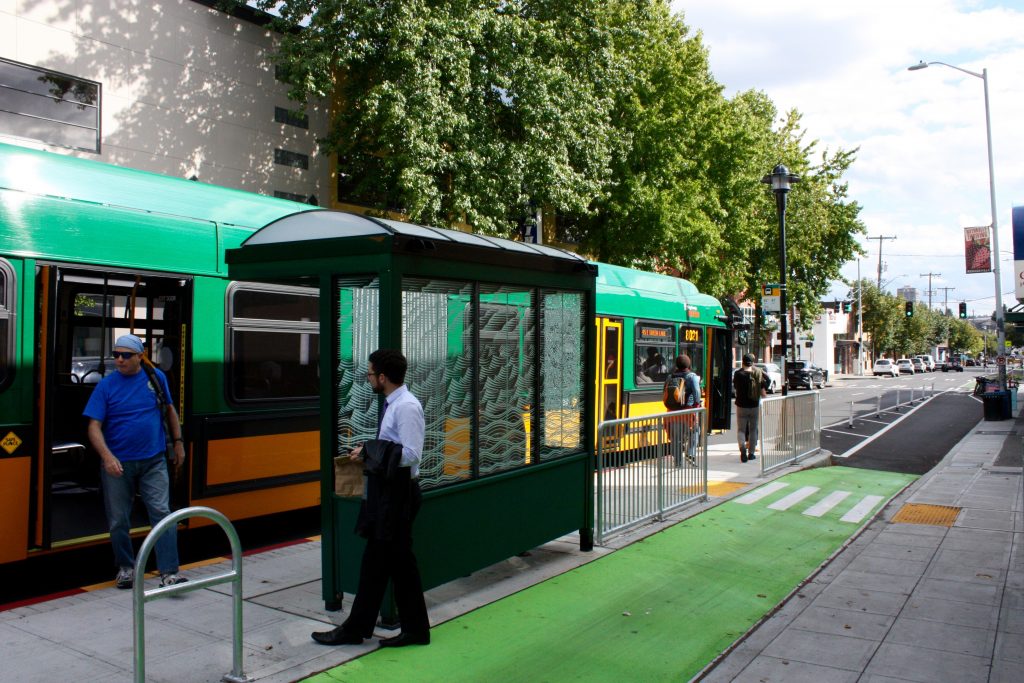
498	515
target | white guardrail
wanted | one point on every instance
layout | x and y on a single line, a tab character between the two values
647	466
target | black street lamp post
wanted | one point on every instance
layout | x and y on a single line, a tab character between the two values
780	180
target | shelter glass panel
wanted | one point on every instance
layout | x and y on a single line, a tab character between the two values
562	335
436	315
358	301
654	352
506	333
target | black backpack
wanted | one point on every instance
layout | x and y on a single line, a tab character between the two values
754	384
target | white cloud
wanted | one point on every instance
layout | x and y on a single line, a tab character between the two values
922	166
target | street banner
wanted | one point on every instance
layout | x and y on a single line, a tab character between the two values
978	250
1018	251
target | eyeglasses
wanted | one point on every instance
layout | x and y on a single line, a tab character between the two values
123	355
372	374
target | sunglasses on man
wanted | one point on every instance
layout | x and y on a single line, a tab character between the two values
124	355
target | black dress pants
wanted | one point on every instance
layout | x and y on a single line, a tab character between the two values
390	560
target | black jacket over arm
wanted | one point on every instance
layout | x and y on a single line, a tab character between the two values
388	510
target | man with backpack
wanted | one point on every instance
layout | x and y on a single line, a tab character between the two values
748	385
682	392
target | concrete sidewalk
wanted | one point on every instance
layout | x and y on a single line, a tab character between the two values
902	601
912	599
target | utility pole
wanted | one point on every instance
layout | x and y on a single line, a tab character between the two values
929	276
945	305
881	239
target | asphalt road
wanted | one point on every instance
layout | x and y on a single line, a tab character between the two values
922	438
885	423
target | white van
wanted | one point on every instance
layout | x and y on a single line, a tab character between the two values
929	363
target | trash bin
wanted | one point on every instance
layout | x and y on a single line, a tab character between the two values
996	405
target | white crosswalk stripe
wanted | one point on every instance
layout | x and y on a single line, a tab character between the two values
861	509
832	500
794	498
826	504
758	494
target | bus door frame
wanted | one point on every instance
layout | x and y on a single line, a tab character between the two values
608	384
54	325
720	377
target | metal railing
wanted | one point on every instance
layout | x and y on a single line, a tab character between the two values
140	596
647	466
789	428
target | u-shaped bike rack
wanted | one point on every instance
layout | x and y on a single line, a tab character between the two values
140	596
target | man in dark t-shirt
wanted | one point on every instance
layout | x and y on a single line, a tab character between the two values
748	387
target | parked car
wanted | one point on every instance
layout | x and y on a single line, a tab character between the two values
905	365
885	366
773	373
952	365
929	362
802	373
918	364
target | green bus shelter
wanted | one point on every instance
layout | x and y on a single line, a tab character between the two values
498	335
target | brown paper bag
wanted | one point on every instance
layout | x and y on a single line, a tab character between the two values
348	477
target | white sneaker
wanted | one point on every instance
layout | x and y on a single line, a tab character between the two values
125	577
171	579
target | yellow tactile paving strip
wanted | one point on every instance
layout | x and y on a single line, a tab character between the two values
919	513
716	489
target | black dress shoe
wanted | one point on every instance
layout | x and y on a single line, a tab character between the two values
337	636
403	639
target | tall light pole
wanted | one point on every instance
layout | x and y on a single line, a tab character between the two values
1000	319
780	180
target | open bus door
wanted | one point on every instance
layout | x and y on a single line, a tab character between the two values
609	369
84	312
720	386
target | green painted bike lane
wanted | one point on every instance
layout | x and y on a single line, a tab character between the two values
660	609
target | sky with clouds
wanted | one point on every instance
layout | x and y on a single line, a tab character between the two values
921	173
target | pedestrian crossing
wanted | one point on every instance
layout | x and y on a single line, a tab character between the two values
861	508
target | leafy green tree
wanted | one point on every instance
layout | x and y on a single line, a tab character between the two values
963	337
460	111
605	114
882	316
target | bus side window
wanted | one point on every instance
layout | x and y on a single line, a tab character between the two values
273	342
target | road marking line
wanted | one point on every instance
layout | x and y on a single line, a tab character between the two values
883	430
861	509
859	393
794	498
841	431
758	494
829	502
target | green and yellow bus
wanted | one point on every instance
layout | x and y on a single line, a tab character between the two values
643	321
90	251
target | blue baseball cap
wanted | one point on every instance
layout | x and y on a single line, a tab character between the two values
129	341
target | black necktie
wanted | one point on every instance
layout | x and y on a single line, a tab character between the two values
381	420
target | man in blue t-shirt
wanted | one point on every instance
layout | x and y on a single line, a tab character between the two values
126	427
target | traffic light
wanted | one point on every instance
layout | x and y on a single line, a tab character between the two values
910	309
847	306
963	309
